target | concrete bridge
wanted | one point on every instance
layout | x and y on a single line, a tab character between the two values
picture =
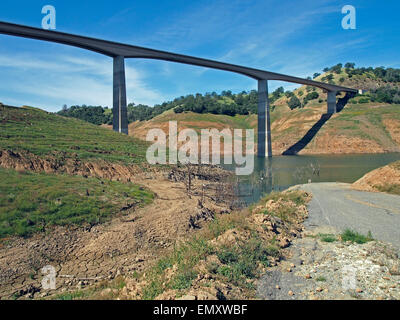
120	51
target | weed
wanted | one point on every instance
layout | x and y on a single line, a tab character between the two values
327	237
353	236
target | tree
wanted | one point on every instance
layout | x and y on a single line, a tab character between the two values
312	95
294	102
277	94
337	69
349	65
316	75
289	94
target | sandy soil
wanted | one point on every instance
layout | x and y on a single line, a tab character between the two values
129	243
387	175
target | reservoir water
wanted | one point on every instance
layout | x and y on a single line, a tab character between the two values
281	172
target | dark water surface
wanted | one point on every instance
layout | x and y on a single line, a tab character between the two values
281	172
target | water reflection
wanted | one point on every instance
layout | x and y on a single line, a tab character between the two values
281	172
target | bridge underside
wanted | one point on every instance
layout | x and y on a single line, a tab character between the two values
264	139
120	51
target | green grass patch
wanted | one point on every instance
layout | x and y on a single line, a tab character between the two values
240	263
355	237
327	237
185	257
76	295
31	202
389	188
285	212
43	133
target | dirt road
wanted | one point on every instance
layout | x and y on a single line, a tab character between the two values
338	205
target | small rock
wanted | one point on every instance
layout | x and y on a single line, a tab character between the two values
319	289
289	270
292	265
307	276
291	293
358	290
277	287
106	292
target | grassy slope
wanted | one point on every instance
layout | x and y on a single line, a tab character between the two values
359	128
212	258
30	201
44	133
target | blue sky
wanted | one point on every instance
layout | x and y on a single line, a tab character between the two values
294	37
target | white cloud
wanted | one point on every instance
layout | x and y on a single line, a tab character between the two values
52	81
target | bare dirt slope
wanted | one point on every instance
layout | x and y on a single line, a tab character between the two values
129	243
366	128
386	179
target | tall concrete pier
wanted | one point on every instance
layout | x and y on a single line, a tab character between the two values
331	102
264	147
120	112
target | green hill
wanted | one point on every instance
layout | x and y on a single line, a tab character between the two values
382	84
44	134
31	202
369	122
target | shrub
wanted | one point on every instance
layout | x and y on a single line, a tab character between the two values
363	100
353	236
294	102
327	237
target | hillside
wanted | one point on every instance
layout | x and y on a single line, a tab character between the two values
48	135
82	198
385	179
369	122
359	128
53	146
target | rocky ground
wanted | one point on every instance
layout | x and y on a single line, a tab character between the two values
127	244
318	270
233	255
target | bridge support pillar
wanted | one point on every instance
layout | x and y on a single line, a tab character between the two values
264	146
120	113
331	102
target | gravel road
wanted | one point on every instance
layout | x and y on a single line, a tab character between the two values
339	206
315	269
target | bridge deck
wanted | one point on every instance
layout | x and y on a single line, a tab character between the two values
114	49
